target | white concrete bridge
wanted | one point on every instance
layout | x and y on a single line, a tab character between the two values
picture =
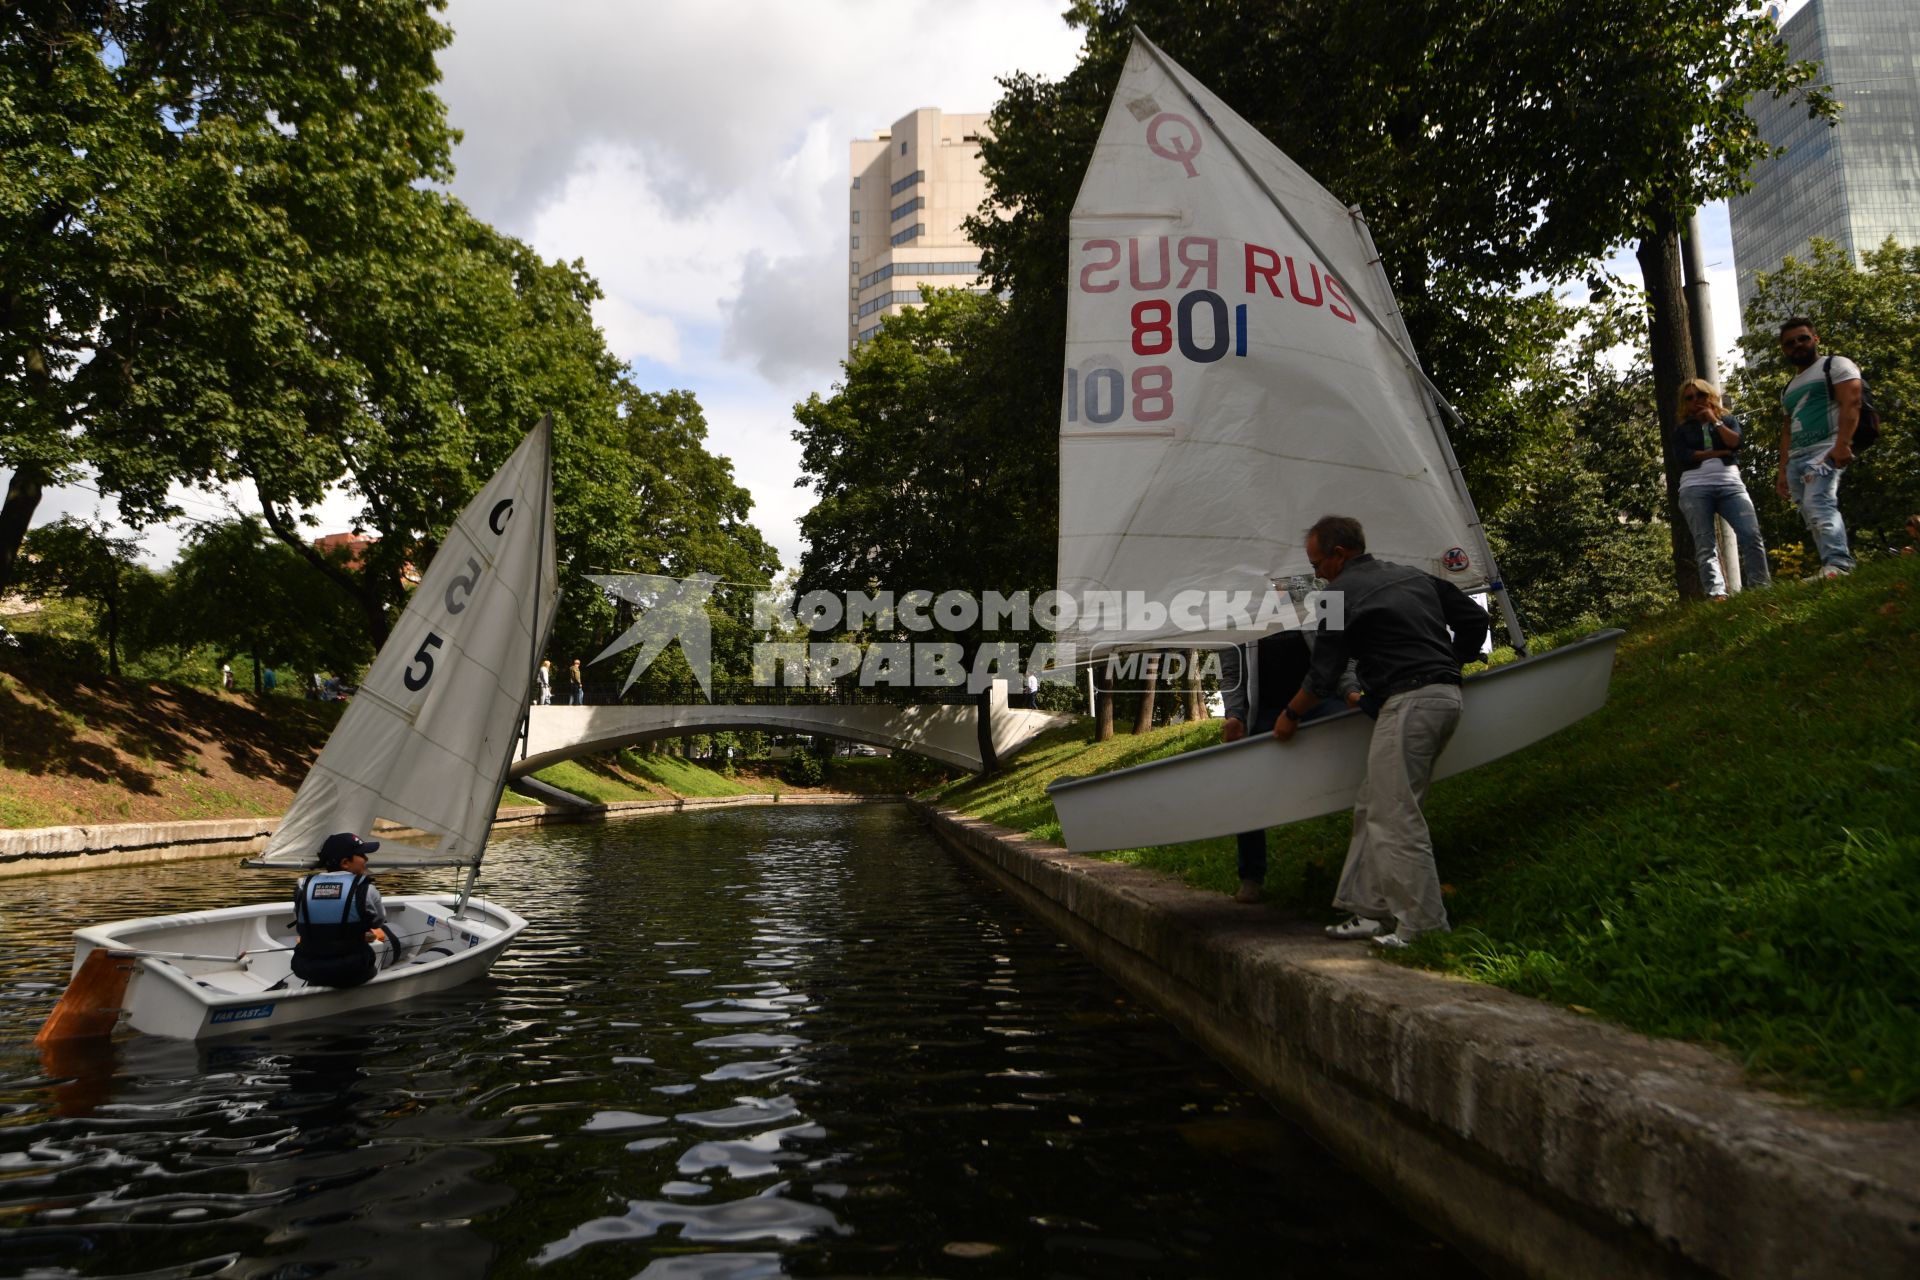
947	733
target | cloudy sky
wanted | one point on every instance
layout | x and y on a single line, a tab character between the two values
695	155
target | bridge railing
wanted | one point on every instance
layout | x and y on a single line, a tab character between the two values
746	693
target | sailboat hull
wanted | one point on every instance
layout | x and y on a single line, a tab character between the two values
227	972
1258	782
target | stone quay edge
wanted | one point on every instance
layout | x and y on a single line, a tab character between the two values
1543	1142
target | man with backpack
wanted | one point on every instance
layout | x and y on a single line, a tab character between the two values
1823	413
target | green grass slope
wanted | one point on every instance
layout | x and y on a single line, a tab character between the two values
1728	852
633	775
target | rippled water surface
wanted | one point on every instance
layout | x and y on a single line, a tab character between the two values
745	1043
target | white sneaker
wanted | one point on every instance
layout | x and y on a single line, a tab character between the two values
1355	928
1826	573
1392	942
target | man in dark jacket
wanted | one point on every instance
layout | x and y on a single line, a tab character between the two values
1410	634
338	915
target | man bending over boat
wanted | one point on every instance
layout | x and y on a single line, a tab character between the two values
1397	627
338	914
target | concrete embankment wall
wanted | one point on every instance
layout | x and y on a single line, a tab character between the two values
1545	1143
41	850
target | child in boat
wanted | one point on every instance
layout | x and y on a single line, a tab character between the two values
338	915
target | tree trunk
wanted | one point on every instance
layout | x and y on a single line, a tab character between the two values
1669	340
113	625
23	496
1103	702
1144	721
1196	704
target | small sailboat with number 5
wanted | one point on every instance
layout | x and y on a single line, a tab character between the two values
426	743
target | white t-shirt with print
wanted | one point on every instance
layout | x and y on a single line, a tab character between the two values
1816	419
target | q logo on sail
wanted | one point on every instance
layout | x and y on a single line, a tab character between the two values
1184	153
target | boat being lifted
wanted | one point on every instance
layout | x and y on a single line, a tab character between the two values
1237	367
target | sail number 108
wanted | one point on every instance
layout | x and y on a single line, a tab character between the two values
1100	394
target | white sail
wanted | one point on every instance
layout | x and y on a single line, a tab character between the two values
427	739
1233	372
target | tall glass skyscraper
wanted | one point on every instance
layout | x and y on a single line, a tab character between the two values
1855	183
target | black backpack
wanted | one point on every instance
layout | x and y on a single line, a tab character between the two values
1868	429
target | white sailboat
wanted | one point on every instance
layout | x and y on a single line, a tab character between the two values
426	742
1237	367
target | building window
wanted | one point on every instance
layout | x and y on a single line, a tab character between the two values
856	183
899	297
901	211
907	181
856	215
919	269
903	148
911	233
856	242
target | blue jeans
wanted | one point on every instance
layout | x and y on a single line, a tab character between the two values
1699	506
1814	485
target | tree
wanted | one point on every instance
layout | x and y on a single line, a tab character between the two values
192	193
223	263
925	481
74	560
1579	528
1869	313
240	590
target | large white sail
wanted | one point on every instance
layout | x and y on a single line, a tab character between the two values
427	739
1234	370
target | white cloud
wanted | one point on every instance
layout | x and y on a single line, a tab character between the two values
695	156
633	334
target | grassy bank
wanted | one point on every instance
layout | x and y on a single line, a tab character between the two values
79	748
1729	852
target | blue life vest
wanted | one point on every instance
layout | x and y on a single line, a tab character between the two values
332	906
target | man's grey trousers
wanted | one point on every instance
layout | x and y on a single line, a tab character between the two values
1390	872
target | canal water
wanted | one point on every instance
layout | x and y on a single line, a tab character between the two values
744	1043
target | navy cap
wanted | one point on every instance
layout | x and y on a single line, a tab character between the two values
339	848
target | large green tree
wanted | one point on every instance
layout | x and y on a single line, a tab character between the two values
194	195
922	482
223	263
1870	313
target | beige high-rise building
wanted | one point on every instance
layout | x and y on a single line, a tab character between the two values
913	186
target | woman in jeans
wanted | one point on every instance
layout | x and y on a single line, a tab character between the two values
1706	441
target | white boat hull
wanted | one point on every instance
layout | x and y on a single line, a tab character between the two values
1258	782
228	971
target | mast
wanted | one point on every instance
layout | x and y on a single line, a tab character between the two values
540	632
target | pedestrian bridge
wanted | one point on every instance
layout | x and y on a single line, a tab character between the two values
947	733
